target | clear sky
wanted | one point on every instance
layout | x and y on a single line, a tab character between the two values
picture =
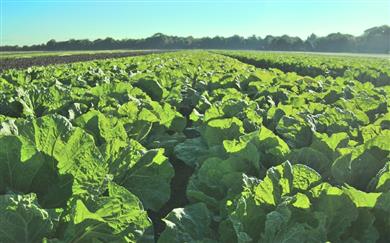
37	21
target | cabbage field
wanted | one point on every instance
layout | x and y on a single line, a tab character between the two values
196	146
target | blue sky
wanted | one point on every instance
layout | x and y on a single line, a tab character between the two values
37	21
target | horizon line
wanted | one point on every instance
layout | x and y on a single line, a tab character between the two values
188	36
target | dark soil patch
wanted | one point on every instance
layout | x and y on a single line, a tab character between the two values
178	195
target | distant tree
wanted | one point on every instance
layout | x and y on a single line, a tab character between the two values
267	43
336	42
311	41
253	42
286	43
375	40
51	44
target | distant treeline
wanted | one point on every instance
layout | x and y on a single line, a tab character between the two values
373	40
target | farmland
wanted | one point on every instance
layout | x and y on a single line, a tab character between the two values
196	146
18	60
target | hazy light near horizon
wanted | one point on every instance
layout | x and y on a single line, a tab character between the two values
25	22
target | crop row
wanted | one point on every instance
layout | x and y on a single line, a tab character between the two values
18	61
374	70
